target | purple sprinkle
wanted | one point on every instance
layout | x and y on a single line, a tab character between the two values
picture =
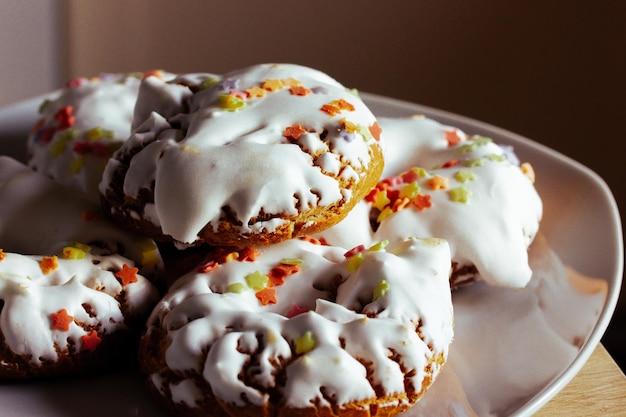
348	137
228	84
319	90
510	155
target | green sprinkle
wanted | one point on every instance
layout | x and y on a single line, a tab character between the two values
466	148
460	194
464	176
231	103
236	287
256	280
410	190
304	343
355	261
496	158
43	105
474	162
208	83
481	140
379	246
381	289
291	261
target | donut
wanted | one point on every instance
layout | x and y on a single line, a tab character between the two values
69	315
81	126
302	329
40	216
248	158
465	189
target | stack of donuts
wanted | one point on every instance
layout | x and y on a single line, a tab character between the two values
259	240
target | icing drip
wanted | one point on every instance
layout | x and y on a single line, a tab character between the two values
329	313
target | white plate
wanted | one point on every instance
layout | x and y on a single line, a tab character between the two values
581	225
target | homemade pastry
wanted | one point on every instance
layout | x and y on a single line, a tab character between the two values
39	216
302	329
465	189
253	157
82	125
72	314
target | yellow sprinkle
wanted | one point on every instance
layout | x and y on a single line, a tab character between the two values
231	102
304	343
232	256
273	85
387	211
379	246
236	287
381	289
256	92
460	194
291	261
410	190
70	252
256	280
464	176
381	200
529	171
355	261
94	133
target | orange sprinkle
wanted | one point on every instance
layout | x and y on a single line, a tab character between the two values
248	254
2	255
256	92
127	274
294	132
310	239
266	296
48	264
337	106
438	183
376	130
400	204
278	274
299	90
422	201
452	136
153	73
90	341
528	170
61	320
273	85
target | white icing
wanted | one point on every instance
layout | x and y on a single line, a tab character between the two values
41	216
209	157
215	333
104	102
492	231
31	296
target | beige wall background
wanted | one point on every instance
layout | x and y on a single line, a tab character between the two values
553	71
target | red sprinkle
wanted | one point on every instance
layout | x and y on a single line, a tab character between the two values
127	274
422	201
451	163
61	320
296	310
65	117
248	254
90	341
354	251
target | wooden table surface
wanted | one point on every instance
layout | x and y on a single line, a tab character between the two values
599	389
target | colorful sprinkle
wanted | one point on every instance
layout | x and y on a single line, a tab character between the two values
231	102
48	264
266	296
381	200
354	262
2	255
292	261
76	165
422	202
529	171
90	341
460	194
304	343
380	290
294	132
452	137
337	106
256	92
496	157
257	280
375	130
236	287
127	274
474	162
273	85
299	90
378	246
65	117
410	190
248	254
437	183
61	320
464	176
73	252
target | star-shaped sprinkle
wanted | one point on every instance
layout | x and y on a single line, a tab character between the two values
266	296
299	90
61	320
422	201
375	130
294	132
460	194
452	137
256	92
127	275
438	183
48	264
304	343
256	280
90	341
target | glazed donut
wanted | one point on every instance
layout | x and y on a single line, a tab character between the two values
72	315
467	190
81	126
41	216
302	329
249	158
